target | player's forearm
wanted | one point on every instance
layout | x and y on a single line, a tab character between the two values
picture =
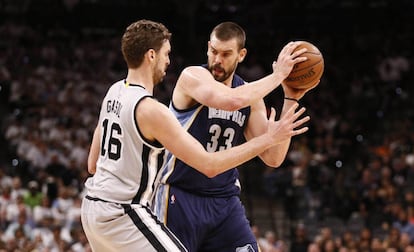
94	152
288	103
255	90
274	157
278	133
222	161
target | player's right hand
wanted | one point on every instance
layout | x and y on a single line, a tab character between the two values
287	58
290	124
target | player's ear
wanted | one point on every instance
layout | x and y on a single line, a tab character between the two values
242	54
151	54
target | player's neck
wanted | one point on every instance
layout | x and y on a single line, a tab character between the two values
140	77
229	80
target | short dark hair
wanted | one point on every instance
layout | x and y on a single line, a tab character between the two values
230	30
141	36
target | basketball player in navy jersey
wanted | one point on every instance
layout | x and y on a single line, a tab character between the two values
128	144
221	111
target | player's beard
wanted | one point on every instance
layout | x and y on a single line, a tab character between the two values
223	74
159	74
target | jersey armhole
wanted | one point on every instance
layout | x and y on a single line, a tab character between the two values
184	110
154	144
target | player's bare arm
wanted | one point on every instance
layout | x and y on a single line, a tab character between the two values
94	151
196	84
256	126
176	139
274	156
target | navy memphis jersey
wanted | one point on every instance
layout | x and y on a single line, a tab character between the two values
215	130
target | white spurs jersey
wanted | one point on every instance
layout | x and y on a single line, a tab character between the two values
127	164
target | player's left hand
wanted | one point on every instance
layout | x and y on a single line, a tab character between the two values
296	93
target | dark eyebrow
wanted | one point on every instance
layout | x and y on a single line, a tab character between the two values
230	50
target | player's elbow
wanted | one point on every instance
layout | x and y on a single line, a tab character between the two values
272	160
210	172
211	175
91	167
209	169
91	170
273	163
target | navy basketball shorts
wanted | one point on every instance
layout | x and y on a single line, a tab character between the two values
207	223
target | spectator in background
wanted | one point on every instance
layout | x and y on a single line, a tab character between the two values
15	207
392	68
37	155
365	239
22	222
42	235
300	239
70	175
270	243
62	204
392	240
55	167
258	234
33	197
377	245
313	247
73	214
51	188
409	248
329	246
5	200
42	211
17	188
405	241
403	224
80	242
5	180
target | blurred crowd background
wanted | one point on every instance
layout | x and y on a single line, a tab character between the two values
346	185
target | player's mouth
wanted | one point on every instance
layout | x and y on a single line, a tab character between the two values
217	71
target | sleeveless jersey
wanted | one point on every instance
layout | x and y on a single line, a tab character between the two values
127	164
216	130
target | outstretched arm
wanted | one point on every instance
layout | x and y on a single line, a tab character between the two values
274	156
256	126
179	142
196	84
94	151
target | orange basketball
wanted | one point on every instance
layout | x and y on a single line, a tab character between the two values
306	74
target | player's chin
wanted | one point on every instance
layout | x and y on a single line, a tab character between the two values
219	76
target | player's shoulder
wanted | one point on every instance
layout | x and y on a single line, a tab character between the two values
195	74
150	106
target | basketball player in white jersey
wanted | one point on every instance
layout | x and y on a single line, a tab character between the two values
128	148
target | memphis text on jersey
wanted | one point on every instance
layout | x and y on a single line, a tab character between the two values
235	116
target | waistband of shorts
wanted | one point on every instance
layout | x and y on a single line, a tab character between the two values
97	199
127	207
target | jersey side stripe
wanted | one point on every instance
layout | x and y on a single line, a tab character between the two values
144	174
144	229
